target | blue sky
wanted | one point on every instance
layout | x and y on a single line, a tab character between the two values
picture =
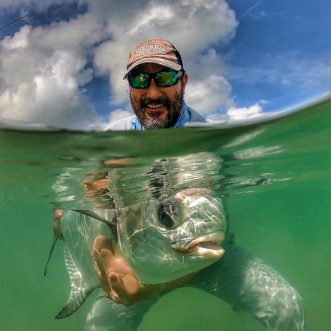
284	48
62	65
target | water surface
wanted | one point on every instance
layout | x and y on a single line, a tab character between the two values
274	178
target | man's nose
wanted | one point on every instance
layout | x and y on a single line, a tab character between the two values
153	91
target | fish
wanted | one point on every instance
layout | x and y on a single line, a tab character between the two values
164	241
161	239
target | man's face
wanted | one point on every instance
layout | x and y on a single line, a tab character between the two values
157	107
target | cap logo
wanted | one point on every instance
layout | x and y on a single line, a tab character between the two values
150	49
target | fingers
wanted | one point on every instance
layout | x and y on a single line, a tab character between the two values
126	285
102	242
103	253
102	249
124	290
117	279
110	280
118	292
131	284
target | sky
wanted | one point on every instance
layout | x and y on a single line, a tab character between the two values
62	63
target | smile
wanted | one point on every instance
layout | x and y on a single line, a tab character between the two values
154	106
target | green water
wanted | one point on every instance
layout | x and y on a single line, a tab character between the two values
277	181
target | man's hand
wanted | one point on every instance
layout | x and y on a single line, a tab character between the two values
118	280
116	277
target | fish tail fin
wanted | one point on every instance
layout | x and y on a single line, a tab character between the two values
50	254
79	293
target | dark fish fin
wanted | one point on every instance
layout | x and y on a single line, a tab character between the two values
50	254
94	215
79	293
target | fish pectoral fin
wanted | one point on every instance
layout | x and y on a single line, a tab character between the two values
79	292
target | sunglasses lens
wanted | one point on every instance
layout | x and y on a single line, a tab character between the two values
167	78
162	78
139	81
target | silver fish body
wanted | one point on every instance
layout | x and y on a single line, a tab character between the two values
167	240
79	232
161	240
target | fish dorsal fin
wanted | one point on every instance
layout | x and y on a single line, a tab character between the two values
94	215
79	292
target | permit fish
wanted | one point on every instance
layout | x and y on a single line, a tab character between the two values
161	240
164	241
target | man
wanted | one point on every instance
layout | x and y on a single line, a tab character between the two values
157	82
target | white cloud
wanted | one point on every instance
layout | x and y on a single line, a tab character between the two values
160	14
209	94
244	112
118	114
43	70
238	115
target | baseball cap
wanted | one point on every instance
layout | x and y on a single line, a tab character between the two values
157	51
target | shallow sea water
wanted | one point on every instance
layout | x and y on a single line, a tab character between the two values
275	179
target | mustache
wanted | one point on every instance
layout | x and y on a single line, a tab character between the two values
163	101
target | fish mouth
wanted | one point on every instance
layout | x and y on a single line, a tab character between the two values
205	246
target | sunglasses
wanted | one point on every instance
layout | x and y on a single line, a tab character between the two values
141	80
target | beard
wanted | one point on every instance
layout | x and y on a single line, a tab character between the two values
174	107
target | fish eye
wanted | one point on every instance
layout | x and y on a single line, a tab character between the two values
166	216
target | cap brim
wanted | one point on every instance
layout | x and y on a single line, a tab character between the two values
162	62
